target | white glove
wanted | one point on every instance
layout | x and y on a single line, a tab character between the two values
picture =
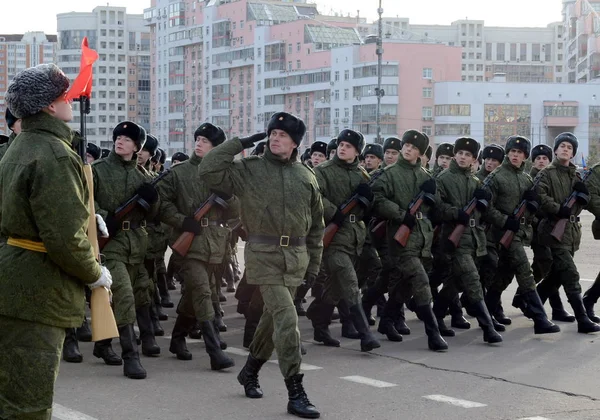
102	229
105	280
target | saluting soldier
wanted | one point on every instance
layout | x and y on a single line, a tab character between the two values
48	259
285	231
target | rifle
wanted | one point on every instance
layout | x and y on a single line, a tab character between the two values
518	213
124	209
403	233
184	242
331	229
103	320
459	229
559	228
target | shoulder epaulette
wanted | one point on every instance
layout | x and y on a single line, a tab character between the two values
365	174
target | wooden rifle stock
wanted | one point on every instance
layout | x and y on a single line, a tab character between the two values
559	228
519	212
184	242
403	232
379	229
331	229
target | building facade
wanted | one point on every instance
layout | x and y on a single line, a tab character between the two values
582	22
121	84
19	51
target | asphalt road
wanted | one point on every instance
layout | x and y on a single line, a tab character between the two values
553	377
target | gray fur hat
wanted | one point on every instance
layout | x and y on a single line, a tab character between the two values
34	89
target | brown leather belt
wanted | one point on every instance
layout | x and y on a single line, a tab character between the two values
283	241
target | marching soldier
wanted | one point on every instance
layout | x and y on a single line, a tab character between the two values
339	179
178	157
593	184
93	153
509	185
14	125
285	231
318	153
331	148
391	151
427	156
116	179
556	183
492	156
182	193
48	259
443	156
394	190
373	156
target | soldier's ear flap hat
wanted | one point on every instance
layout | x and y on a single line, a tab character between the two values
374	149
163	156
9	118
519	143
94	151
417	139
34	89
541	150
428	152
131	130
393	143
213	133
444	149
468	144
180	157
305	156
569	137
493	151
151	144
480	157
157	156
332	145
355	138
318	146
289	123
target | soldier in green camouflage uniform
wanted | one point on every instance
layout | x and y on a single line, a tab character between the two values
457	186
14	124
509	185
593	184
557	182
116	179
394	191
182	193
443	155
284	221
339	179
48	259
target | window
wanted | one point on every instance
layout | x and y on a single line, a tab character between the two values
535	52
336	76
427	73
298	64
513	52
289	48
523	52
453	110
298	47
561	111
347	75
337	113
426	129
336	95
427	113
488	51
346	94
453	129
500	56
427	92
503	121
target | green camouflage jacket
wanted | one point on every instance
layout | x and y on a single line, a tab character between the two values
482	173
44	198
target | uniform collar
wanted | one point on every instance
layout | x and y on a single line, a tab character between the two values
195	159
277	160
571	168
344	164
506	163
457	169
113	157
403	162
42	121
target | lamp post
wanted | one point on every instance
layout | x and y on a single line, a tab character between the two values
379	91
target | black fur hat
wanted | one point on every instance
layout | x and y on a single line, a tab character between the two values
570	137
319	146
519	143
355	138
428	152
157	155
289	123
151	144
444	149
213	133
542	150
392	143
163	156
417	139
180	157
105	153
131	130
468	144
374	149
9	118
493	151
94	151
332	145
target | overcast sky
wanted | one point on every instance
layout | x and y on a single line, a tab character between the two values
28	15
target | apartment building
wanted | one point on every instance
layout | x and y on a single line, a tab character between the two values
19	51
582	40
121	84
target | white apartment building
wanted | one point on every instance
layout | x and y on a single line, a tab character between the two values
121	84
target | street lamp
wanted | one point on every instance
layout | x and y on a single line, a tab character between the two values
379	91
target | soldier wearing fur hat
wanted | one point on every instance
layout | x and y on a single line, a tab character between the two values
305	158
457	186
318	153
48	259
14	125
178	157
182	193
509	185
331	148
116	179
391	151
427	156
373	156
443	156
492	156
144	157
339	179
93	152
556	182
284	248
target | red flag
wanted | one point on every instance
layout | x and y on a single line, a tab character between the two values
82	85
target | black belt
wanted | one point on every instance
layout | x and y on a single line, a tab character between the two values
283	241
205	222
128	225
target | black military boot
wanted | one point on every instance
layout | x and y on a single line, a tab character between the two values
84	333
317	290
590	298
493	300
400	321
248	377
158	329
584	324
490	335
195	333
440	305
218	359
559	313
71	352
348	328
162	316
163	290
132	368
386	322
222	297
180	331
369	299
222	344
103	350
457	319
301	292
434	339
541	324
380	305
320	315
298	403
149	346
367	341
229	278
219	324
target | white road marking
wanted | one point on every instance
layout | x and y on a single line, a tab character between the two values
454	401
187	340
239	352
63	413
303	366
590	280
368	381
535	418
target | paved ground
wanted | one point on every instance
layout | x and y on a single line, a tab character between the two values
526	377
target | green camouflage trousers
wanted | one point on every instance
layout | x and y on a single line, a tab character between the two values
465	279
342	282
513	262
278	329
542	261
563	272
407	279
131	288
29	361
196	300
368	267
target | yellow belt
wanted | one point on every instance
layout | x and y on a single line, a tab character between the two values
27	244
